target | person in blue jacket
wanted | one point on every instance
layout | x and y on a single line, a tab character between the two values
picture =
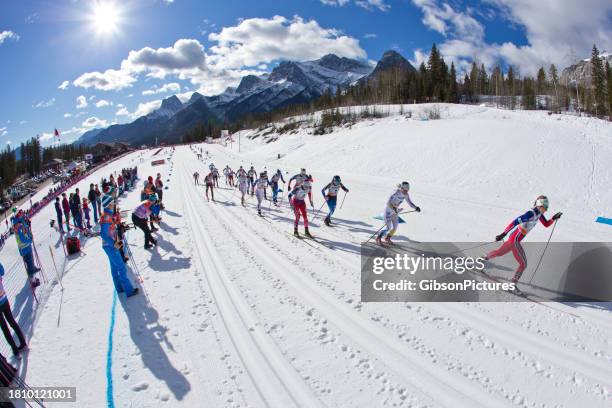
110	245
6	316
331	197
23	235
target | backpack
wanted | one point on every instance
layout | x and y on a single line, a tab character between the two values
73	245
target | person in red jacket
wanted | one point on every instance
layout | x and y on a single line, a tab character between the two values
66	208
521	226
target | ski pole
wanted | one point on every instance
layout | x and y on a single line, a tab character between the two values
376	233
319	211
543	252
342	203
55	267
403	212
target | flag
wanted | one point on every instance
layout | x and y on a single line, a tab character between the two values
56	133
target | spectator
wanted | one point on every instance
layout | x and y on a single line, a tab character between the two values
6	316
58	213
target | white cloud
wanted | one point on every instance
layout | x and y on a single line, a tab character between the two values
259	40
122	112
167	2
43	137
81	102
3	131
366	4
373	4
554	31
109	80
67	115
369	35
8	142
23	122
45	104
146	108
8	35
238	49
170	87
339	3
64	85
94	122
103	103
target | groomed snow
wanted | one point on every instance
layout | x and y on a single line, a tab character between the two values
239	313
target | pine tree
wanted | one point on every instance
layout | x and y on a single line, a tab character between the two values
598	83
552	74
609	82
453	91
511	87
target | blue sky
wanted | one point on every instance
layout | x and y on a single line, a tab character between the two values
75	65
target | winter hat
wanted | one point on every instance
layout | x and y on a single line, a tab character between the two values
106	200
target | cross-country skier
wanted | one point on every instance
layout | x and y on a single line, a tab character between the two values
243	184
209	181
110	245
332	196
196	176
523	225
215	173
299	178
230	177
23	235
226	172
297	201
252	174
392	211
6	316
260	187
274	183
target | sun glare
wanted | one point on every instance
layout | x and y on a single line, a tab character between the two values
105	17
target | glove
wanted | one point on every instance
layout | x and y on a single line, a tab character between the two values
418	209
557	216
500	236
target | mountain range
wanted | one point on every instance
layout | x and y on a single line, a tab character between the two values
290	82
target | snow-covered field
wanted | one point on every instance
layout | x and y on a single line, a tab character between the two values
239	313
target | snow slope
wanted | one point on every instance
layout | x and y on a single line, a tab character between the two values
239	313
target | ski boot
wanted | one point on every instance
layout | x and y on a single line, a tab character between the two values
307	233
327	221
388	240
35	283
379	240
295	232
259	212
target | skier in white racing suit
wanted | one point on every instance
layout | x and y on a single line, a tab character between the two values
392	211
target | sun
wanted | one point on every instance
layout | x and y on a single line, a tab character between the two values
105	17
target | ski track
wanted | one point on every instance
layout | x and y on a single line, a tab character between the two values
268	369
524	341
441	386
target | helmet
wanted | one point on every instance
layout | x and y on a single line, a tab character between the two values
153	197
336	179
278	171
262	174
541	201
252	168
404	185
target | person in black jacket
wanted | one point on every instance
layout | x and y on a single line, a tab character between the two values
91	196
58	213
